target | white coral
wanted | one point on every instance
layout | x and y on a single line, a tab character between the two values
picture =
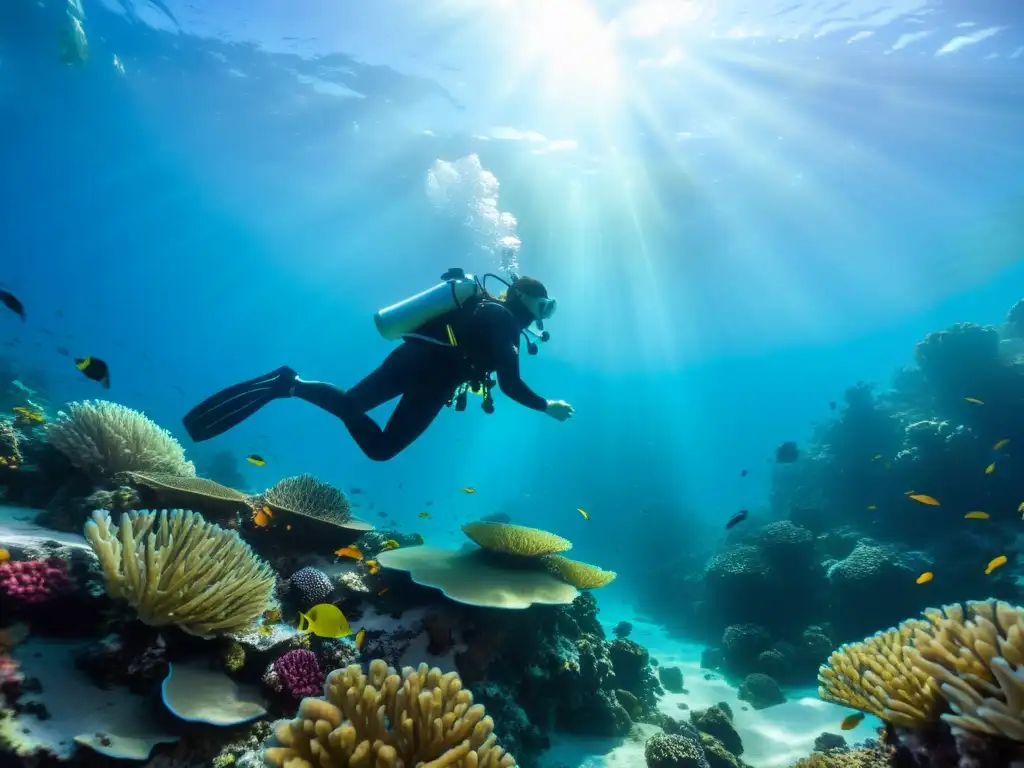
104	438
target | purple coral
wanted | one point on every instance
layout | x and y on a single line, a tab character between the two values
299	673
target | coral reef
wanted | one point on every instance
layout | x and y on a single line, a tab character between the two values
665	750
29	582
418	716
311	497
103	438
716	721
311	586
515	540
298	673
187	572
761	691
10	453
671	679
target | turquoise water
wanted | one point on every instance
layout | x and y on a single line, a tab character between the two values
743	209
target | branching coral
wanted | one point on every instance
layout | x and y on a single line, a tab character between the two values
310	496
387	720
515	539
188	572
104	438
969	659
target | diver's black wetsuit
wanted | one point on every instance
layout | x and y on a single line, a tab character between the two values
423	373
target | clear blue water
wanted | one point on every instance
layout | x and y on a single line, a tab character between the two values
743	208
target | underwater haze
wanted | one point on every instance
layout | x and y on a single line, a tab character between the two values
744	208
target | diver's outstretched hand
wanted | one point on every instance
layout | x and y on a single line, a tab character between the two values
559	410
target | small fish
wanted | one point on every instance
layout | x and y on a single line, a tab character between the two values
352	551
852	721
382	514
428	503
876	457
1020	507
95	369
4	555
925	499
360	638
974	400
583	513
976	516
990	468
12	302
469	490
383	592
356	491
743	473
390	544
373	567
995	563
831	405
872	506
908	493
288	527
1001	444
273	615
261	517
325	620
736	519
28	415
424	515
63	352
256	460
787	453
925	577
263	629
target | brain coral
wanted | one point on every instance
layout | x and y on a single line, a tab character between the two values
517	540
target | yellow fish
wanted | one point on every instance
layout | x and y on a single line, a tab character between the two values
424	515
976	516
263	629
995	563
1020	508
469	490
390	544
374	567
255	460
925	499
584	513
852	721
352	552
4	555
28	415
990	468
873	506
273	615
325	620
925	577
974	400
360	638
1001	444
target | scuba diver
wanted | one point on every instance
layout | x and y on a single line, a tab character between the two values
454	337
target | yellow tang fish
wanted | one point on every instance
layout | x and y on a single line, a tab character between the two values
325	620
990	468
995	563
925	577
974	400
469	490
976	516
256	460
584	513
852	721
360	638
925	499
28	415
1001	444
263	629
390	544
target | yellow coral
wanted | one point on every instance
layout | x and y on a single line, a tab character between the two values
972	660
234	656
386	720
517	540
580	575
188	572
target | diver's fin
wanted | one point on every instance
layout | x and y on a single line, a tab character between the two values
230	407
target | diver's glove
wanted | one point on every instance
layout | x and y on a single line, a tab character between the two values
559	410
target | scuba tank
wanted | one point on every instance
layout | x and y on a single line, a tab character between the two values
406	316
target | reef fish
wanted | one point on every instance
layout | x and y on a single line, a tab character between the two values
424	515
583	513
974	400
390	544
95	369
924	498
261	516
852	721
1001	444
325	620
787	453
28	415
352	551
994	563
12	302
743	473
373	566
736	519
469	490
925	577
256	460
976	516
360	638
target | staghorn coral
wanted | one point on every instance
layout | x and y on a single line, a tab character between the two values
969	658
387	720
188	572
580	575
515	539
103	438
307	495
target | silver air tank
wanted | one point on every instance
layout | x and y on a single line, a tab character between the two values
409	314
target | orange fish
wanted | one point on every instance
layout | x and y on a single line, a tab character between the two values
996	562
374	567
352	552
976	516
852	721
360	638
925	577
925	499
261	517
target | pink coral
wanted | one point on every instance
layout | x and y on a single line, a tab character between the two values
299	673
30	582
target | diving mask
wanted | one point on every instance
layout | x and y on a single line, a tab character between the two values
541	307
